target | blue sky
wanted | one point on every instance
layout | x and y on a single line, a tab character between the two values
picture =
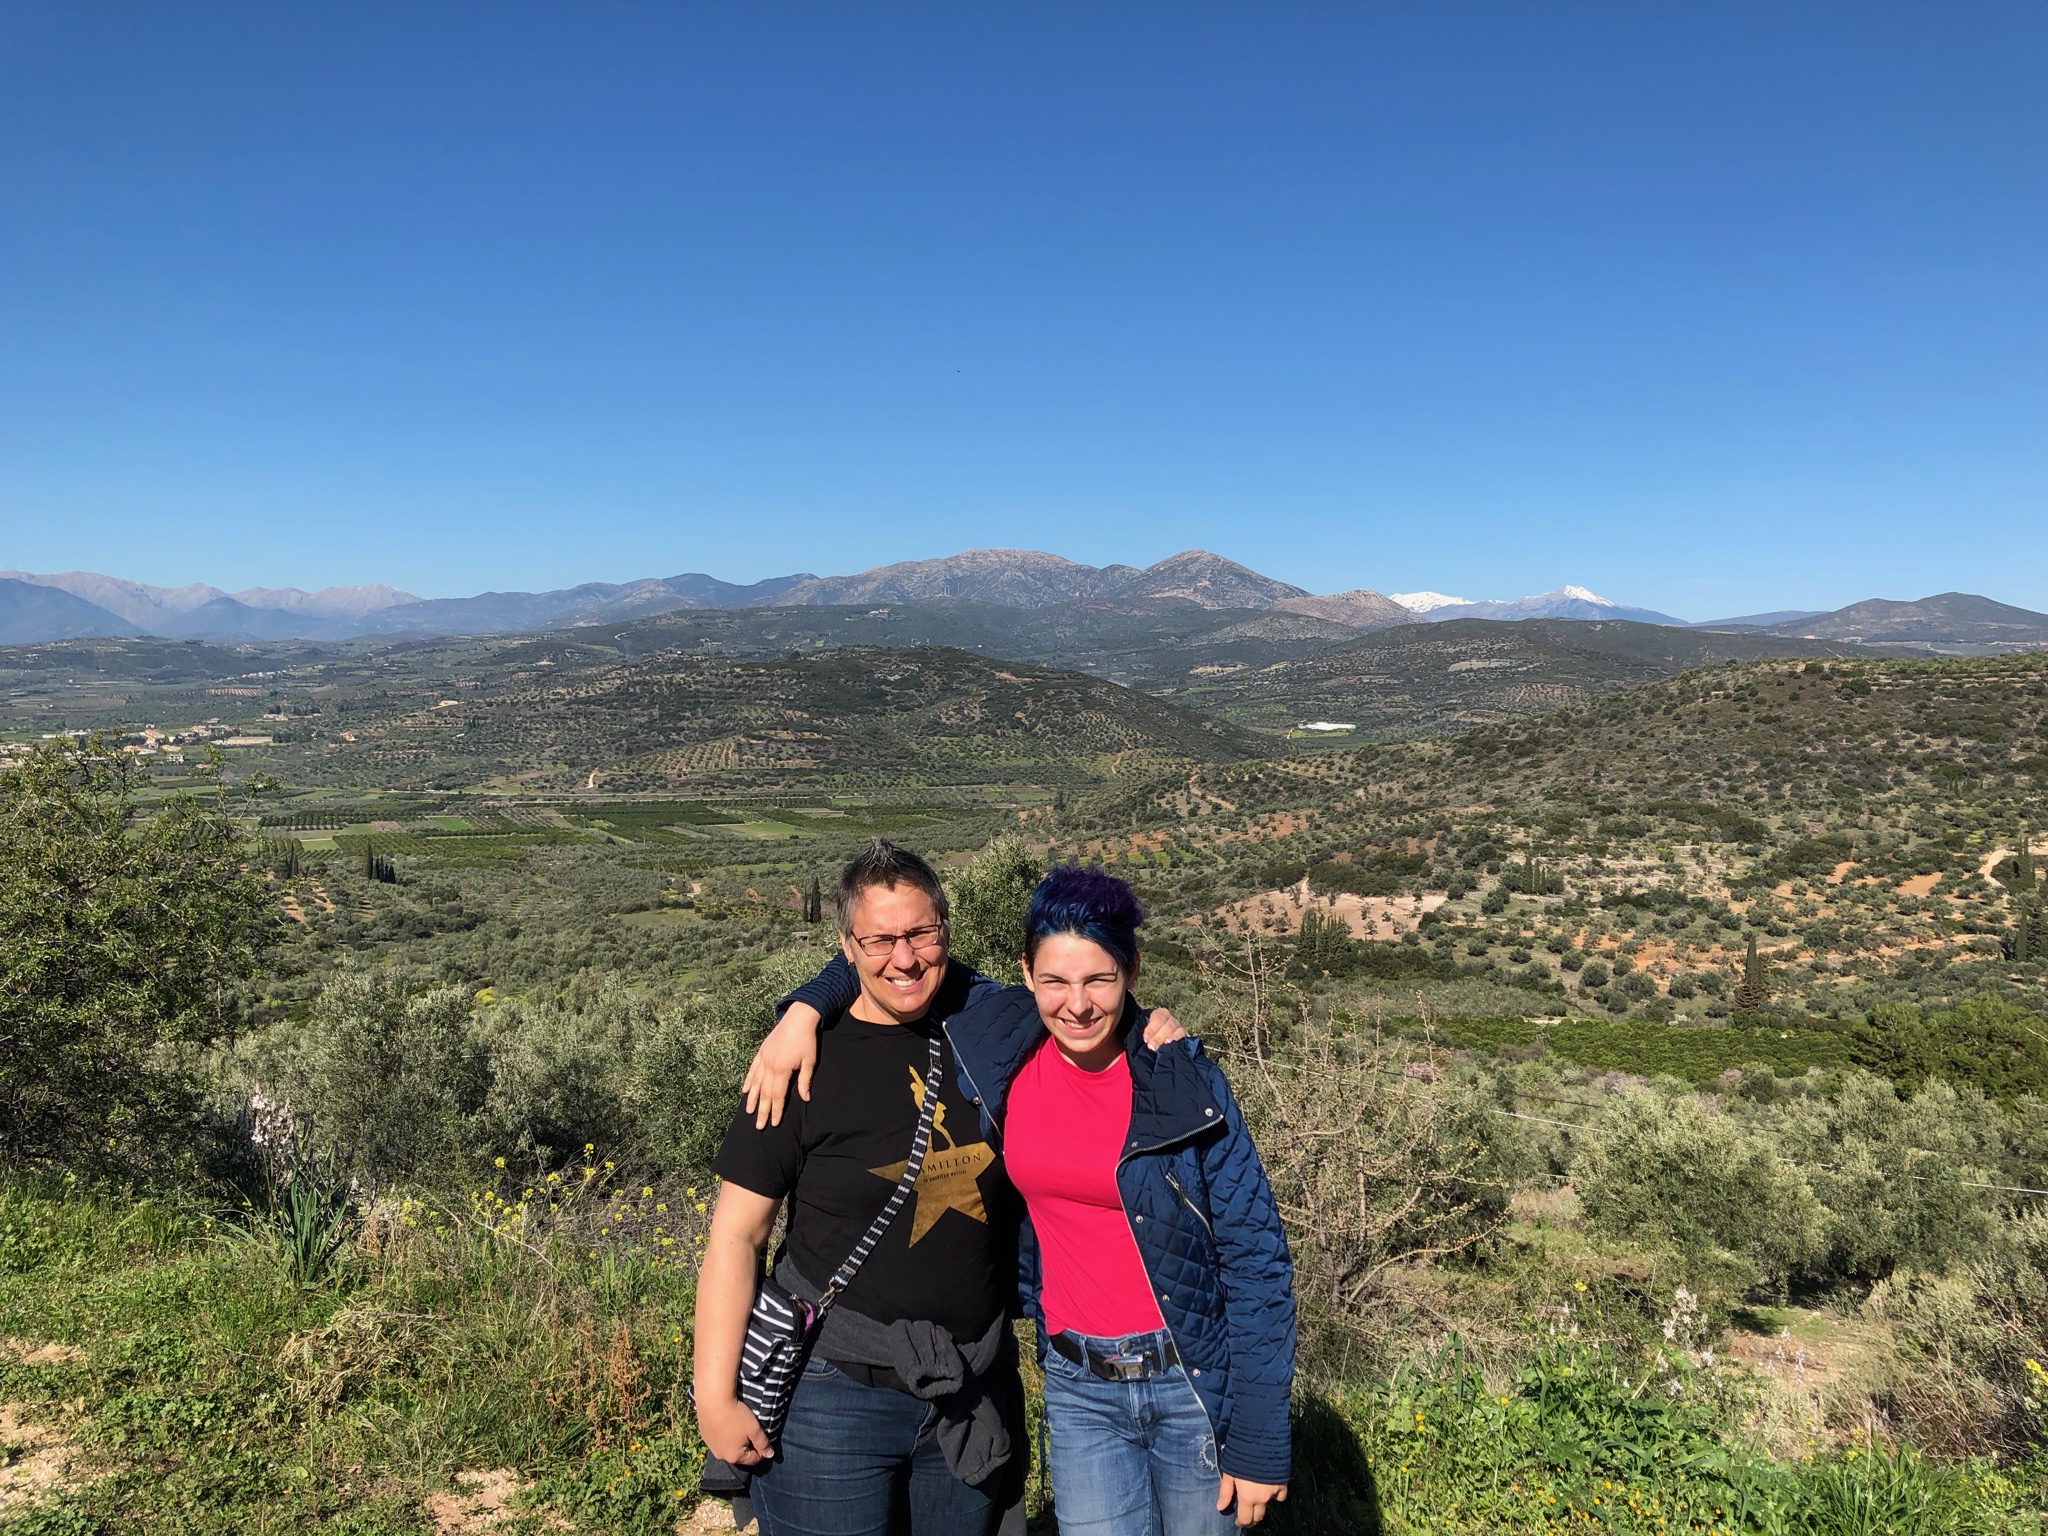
1711	308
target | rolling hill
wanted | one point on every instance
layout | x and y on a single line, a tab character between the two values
1462	672
1948	620
30	612
845	715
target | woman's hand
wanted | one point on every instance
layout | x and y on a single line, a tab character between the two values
1251	1498
732	1433
740	1225
1162	1028
791	1047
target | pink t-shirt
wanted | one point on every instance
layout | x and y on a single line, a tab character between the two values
1063	1132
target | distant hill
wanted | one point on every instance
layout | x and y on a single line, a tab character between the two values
32	612
1361	609
552	714
150	610
1118	614
1759	620
1210	581
201	609
1461	672
1949	619
1564	603
1424	602
1026	578
328	602
594	602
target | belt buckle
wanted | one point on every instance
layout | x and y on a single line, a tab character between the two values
1128	1367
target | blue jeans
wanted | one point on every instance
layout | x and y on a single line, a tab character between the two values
857	1460
1130	1458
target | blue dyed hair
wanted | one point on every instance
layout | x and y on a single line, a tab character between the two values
1088	901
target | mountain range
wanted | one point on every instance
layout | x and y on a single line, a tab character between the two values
82	604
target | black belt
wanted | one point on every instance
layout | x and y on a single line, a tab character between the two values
870	1375
1122	1365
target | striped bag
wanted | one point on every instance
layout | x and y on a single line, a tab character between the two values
781	1329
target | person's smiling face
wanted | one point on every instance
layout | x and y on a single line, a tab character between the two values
898	981
1080	989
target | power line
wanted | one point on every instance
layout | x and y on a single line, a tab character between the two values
2011	1189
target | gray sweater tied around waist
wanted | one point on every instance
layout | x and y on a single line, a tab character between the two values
932	1365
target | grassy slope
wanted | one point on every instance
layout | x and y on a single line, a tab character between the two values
195	1390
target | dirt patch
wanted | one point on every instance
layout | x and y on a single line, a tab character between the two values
713	1515
1367	917
1791	1364
29	1352
1841	869
1546	1207
1919	885
39	1461
480	1501
1824	1373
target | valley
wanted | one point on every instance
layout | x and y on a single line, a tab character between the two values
1621	1000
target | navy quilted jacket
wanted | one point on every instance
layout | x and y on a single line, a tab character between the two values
1198	1202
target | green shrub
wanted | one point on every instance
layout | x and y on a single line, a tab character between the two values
120	934
398	1076
686	1070
1674	1174
989	899
1983	1041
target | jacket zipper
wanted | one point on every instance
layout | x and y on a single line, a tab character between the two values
973	1090
1187	1370
1193	1210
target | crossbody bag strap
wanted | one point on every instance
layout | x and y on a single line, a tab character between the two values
927	1110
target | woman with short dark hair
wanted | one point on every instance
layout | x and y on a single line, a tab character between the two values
1151	1256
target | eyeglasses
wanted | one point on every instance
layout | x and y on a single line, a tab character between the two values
928	940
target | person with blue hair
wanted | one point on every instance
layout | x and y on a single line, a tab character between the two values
1151	1255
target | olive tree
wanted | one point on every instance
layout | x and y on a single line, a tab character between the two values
120	933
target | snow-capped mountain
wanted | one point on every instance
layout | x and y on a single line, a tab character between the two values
1564	603
1425	602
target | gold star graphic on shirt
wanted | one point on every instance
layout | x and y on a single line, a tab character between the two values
950	1178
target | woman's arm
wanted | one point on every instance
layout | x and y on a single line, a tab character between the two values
1258	1296
792	1045
791	1049
740	1227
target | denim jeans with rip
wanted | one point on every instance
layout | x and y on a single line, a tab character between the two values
1130	1458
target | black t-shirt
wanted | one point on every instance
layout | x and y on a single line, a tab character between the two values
949	1257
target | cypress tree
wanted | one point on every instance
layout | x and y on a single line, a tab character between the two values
1754	990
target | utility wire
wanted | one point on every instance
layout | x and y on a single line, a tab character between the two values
2011	1189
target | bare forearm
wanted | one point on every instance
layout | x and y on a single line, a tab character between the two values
725	1295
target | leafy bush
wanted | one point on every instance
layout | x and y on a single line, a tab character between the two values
989	899
1901	1178
119	934
1996	1046
686	1070
1673	1174
1970	1338
400	1076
